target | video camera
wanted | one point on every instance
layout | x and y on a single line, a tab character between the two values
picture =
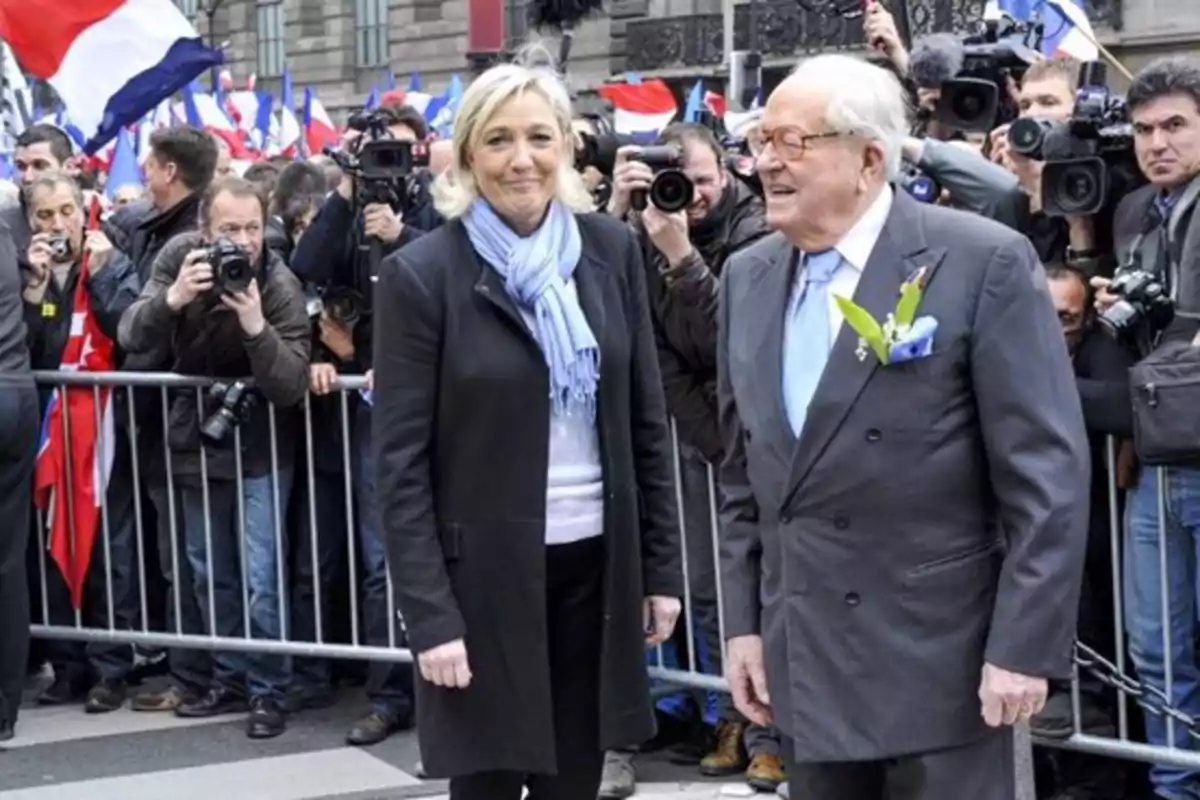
231	267
598	147
976	99
339	303
379	164
671	190
234	402
1090	157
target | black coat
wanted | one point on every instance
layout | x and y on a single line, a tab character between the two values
461	436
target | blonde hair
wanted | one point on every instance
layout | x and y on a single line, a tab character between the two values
456	188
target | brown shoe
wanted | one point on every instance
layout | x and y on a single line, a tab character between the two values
728	756
765	772
168	700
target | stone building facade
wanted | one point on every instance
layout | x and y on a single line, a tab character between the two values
342	47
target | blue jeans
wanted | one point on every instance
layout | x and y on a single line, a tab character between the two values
389	684
1144	590
263	675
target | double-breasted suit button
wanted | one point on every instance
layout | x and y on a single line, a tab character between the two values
841	521
852	599
874	434
785	518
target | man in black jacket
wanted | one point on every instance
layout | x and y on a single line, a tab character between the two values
684	253
226	455
18	443
54	268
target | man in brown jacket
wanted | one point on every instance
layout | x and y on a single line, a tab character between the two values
233	312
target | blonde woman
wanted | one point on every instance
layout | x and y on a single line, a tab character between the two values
523	459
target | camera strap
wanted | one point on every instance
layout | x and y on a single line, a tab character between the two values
1181	210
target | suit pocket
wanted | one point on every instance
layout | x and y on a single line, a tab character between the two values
975	556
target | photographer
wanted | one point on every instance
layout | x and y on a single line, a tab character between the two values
707	217
1156	235
231	310
334	249
54	263
1047	93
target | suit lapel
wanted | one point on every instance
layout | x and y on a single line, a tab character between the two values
773	294
898	254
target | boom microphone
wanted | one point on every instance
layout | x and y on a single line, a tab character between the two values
936	59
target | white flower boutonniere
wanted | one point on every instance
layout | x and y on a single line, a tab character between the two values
902	336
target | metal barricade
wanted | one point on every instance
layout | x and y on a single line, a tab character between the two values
188	537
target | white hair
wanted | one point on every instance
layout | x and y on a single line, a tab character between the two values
456	188
864	100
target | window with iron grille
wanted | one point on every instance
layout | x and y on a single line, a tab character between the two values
371	33
270	39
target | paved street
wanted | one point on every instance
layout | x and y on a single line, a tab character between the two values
64	754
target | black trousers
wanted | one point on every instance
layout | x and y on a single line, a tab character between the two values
982	770
18	449
575	617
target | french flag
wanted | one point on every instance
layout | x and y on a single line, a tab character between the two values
640	109
70	478
110	61
319	130
1066	30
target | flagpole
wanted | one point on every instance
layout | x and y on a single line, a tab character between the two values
210	9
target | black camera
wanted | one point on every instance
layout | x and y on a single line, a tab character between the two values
1089	158
380	164
340	304
234	402
919	185
1144	306
976	100
232	271
671	190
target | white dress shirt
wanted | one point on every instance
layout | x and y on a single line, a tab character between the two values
855	249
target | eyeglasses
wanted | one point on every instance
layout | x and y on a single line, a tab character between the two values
790	143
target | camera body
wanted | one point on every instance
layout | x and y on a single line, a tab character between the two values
234	402
920	186
976	100
380	164
671	190
1143	306
60	248
339	303
1089	158
232	270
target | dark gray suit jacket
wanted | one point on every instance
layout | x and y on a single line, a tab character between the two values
932	515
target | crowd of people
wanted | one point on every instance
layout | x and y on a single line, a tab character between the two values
504	495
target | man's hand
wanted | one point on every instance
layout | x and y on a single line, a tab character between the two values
658	618
1104	299
99	250
446	665
38	256
668	233
998	146
381	222
194	279
628	177
879	29
321	378
248	307
371	380
747	678
1009	697
336	337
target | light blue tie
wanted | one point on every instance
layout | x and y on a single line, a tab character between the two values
806	336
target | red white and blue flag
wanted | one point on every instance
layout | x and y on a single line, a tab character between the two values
110	61
75	458
1066	30
642	108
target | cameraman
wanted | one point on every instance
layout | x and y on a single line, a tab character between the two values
1155	231
219	329
685	252
1047	92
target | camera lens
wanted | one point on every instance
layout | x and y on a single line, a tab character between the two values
969	105
671	191
1076	190
1120	318
1025	136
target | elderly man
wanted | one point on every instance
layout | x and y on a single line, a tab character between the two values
905	519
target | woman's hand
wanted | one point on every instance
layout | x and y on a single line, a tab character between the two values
446	665
658	618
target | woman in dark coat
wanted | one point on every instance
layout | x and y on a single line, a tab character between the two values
523	460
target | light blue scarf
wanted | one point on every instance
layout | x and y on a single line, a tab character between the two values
535	270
